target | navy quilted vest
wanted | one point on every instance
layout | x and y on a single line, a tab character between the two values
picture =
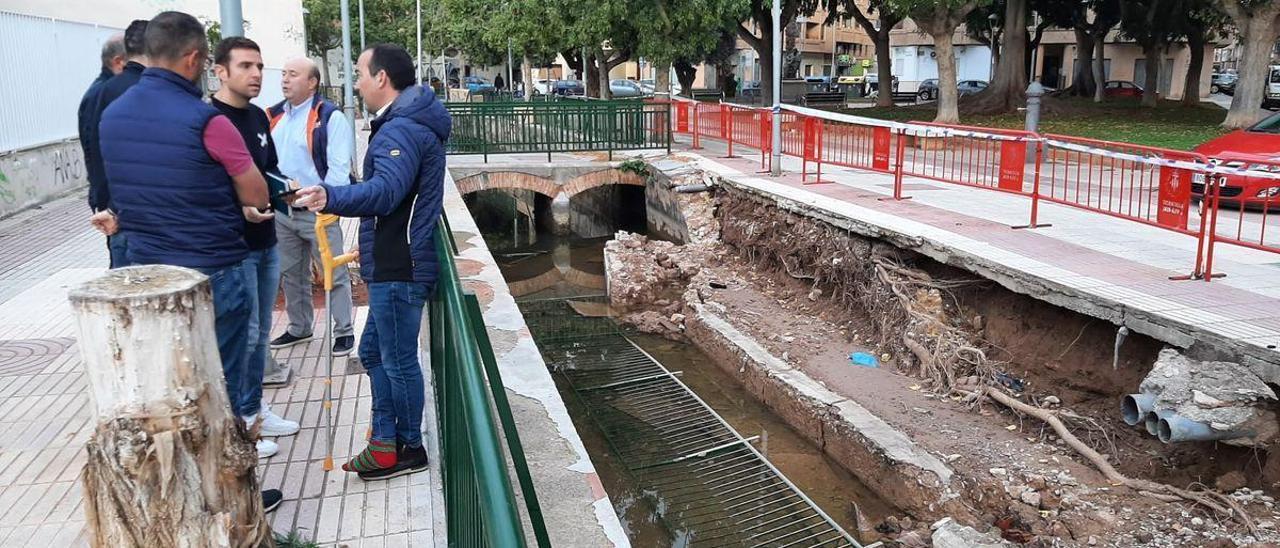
175	202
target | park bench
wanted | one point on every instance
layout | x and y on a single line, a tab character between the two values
822	98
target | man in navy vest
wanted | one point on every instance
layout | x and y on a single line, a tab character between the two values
113	60
315	144
399	202
112	88
179	173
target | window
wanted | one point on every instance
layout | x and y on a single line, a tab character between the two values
1275	77
1268	125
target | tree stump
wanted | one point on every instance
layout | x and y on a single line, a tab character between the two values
168	464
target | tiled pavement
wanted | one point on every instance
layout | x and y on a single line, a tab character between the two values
45	416
1109	267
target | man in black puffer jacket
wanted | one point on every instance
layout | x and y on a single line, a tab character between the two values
399	202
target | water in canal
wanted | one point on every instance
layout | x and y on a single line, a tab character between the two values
540	266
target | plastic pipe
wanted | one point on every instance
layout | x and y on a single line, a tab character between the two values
1152	421
1135	407
1174	428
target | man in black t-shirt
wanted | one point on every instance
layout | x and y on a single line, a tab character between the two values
238	64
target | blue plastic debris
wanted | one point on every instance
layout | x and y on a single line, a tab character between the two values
863	359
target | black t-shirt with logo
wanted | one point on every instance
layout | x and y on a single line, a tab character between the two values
255	129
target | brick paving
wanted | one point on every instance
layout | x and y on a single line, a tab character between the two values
45	417
1118	268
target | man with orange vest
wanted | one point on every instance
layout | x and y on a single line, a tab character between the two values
314	144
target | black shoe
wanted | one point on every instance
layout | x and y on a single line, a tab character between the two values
409	460
288	339
271	499
342	345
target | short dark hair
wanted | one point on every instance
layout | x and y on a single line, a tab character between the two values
395	61
173	34
112	48
135	38
222	52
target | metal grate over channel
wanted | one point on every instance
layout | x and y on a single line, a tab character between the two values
713	486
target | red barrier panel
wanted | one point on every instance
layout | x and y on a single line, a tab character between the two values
1240	205
970	156
1119	179
880	148
682	117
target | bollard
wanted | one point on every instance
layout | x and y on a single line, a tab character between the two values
1034	93
168	463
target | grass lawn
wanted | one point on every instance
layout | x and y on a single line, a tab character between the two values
1169	125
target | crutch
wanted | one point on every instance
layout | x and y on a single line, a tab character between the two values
328	262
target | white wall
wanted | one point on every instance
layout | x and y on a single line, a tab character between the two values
912	64
35	175
276	25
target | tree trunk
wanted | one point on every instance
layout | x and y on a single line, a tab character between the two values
686	73
168	463
324	66
763	45
948	113
591	80
1082	82
884	69
1008	90
526	73
1150	87
1257	36
602	65
1099	67
1191	89
662	80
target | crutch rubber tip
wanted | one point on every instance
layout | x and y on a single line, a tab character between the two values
328	464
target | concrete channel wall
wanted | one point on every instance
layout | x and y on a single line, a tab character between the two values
576	508
30	177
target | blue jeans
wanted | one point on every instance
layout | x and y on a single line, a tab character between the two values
389	351
118	246
231	304
261	282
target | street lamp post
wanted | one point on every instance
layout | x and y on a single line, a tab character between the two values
348	96
232	18
991	49
417	67
775	167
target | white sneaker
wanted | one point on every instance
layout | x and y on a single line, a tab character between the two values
266	448
272	424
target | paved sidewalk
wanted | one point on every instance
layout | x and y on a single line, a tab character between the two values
1102	266
45	416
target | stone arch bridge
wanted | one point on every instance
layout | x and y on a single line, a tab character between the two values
560	182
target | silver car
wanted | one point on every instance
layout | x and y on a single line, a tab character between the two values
625	88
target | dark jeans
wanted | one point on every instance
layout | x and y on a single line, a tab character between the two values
118	247
261	281
389	351
231	304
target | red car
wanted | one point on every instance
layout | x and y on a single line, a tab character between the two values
1260	143
1121	88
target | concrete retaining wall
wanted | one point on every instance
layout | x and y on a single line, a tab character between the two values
33	176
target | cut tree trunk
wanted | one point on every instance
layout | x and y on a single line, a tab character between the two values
1151	86
526	74
686	73
1191	88
168	464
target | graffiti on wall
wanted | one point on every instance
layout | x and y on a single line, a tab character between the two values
33	176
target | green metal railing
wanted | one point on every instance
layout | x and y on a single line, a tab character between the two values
480	506
558	126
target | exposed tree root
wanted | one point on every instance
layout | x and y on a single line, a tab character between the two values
1217	502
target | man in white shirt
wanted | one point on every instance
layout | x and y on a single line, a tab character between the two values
314	144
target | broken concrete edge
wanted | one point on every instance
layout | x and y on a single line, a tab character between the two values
1264	362
580	515
886	459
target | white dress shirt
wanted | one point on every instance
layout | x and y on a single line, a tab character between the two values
290	135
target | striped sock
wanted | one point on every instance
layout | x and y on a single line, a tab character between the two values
378	455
